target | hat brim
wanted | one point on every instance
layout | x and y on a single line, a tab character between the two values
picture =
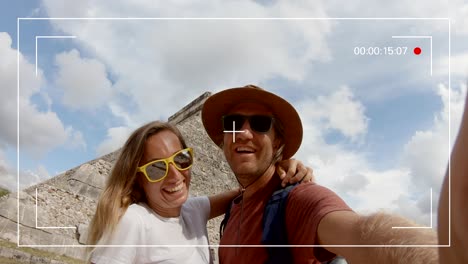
220	103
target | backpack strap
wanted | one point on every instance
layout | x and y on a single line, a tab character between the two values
274	227
223	224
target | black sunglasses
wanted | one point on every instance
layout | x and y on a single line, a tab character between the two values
258	123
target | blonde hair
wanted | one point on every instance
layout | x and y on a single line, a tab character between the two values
122	187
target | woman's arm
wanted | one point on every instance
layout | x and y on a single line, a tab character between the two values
292	171
220	202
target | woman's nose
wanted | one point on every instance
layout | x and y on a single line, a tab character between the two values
173	172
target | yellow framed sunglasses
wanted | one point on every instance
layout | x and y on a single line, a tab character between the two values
157	170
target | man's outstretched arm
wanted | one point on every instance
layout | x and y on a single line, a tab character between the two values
349	228
458	250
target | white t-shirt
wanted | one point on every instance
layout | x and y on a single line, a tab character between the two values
140	225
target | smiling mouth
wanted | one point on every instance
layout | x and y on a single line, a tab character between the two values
244	150
176	188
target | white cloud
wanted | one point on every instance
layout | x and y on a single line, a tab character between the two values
456	10
353	184
32	177
196	8
337	111
29	85
459	16
75	139
336	167
161	65
116	137
120	111
404	189
84	81
427	153
9	176
8	102
39	131
351	175
384	188
411	208
458	65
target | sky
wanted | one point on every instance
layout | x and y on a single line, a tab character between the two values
379	120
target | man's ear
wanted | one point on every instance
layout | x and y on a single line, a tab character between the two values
276	144
278	147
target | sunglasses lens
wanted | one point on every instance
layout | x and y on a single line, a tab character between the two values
183	159
156	170
233	120
261	124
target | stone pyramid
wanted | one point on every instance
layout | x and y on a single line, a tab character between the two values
66	203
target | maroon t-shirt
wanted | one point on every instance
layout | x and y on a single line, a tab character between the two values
307	204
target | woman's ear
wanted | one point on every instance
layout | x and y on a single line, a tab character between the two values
139	177
138	192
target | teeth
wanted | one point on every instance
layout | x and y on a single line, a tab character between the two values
177	188
244	149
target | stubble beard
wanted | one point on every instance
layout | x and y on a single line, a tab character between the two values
249	175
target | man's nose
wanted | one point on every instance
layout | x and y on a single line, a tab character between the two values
246	133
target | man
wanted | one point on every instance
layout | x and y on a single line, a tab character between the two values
255	129
456	208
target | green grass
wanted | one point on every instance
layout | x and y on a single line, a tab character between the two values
3	192
35	252
9	261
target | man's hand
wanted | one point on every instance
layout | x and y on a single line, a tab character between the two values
457	236
292	171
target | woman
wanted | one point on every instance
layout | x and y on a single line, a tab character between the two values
146	202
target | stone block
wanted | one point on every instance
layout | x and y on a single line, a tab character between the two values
8	230
9	207
83	234
28	215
